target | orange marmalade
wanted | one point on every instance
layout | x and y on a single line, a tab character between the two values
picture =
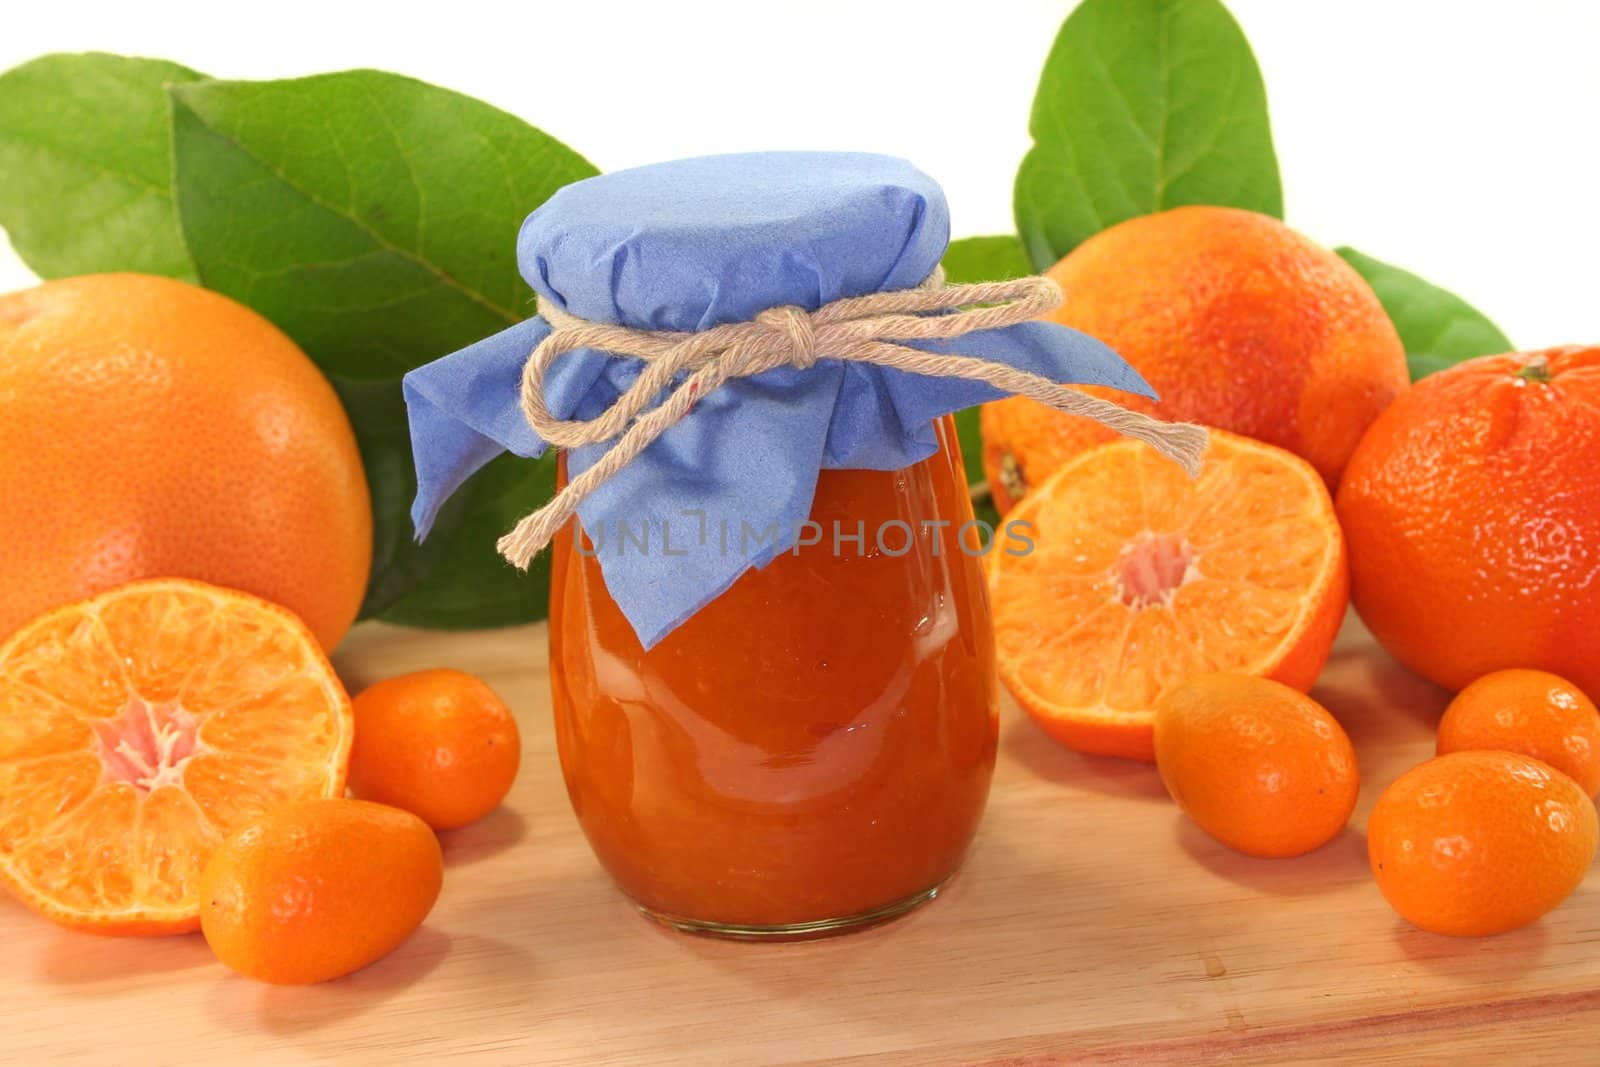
812	750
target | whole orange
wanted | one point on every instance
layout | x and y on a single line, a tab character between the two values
1532	712
317	889
1236	320
150	428
1472	511
440	744
1476	843
1259	766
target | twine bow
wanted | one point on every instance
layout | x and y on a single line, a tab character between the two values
864	329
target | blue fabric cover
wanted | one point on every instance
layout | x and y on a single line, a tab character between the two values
691	244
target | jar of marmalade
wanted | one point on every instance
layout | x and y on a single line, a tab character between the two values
792	736
800	771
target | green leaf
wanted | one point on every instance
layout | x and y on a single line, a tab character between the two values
86	165
983	509
1144	105
473	586
1437	327
985	259
371	216
971	444
981	259
399	562
374	219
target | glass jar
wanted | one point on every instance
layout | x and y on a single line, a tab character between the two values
810	752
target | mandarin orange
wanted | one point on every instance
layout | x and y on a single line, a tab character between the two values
1472	509
1141	578
137	730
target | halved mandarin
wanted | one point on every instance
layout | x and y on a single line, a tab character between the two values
1141	578
138	729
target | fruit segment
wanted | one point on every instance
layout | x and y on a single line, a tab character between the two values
67	657
175	838
85	862
34	726
138	729
35	794
1142	578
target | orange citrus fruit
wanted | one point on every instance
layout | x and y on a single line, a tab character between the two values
1025	442
440	744
1141	578
1532	712
1476	843
1472	509
138	729
1236	320
1261	767
318	889
153	429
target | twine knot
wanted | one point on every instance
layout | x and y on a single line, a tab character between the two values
879	328
790	327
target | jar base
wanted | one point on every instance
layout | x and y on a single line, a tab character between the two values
806	931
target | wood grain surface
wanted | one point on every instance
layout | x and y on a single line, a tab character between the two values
1091	924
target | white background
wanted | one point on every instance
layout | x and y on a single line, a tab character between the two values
1458	139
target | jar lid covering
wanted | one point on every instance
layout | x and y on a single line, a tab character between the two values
692	244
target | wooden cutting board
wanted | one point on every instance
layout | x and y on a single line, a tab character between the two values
1091	924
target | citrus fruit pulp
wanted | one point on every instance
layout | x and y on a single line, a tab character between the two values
1141	578
138	729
